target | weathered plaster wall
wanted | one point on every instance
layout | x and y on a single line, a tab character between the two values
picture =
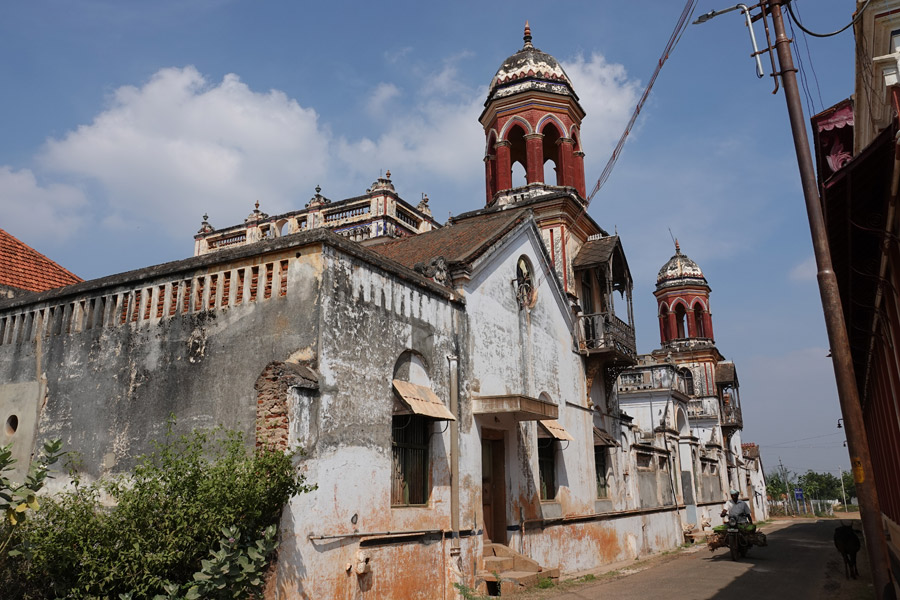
114	370
368	319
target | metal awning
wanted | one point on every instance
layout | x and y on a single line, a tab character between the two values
556	430
601	438
520	408
422	401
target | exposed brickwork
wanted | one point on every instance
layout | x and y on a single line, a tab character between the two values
24	268
272	389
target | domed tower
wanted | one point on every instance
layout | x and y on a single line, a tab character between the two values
682	296
531	116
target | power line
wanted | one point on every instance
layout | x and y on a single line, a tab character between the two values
824	35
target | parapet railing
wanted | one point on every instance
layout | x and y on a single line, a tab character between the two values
146	303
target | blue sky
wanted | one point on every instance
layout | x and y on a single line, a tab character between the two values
123	122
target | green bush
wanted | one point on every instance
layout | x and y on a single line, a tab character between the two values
166	519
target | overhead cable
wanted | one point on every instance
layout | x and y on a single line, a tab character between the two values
859	14
673	41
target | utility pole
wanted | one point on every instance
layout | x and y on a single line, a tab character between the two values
843	493
848	394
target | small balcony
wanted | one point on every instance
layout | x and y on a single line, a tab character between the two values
731	417
606	335
702	409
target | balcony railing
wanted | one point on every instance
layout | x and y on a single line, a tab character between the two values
731	417
702	409
605	332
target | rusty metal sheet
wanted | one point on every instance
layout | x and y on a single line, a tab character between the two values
602	438
422	401
555	429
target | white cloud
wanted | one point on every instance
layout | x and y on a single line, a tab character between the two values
805	271
33	211
162	153
608	97
179	144
380	97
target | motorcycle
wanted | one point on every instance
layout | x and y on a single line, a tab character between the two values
738	538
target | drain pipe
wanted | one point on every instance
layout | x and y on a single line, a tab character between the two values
454	454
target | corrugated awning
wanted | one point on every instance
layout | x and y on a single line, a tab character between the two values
556	430
601	438
422	401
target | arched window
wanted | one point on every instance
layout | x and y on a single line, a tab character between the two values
699	325
517	154
410	483
526	291
551	150
688	381
680	331
664	323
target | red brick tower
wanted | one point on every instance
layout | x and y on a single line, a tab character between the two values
531	116
682	296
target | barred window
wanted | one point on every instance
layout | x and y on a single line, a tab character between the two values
601	470
547	467
409	481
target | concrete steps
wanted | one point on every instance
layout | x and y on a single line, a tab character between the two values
506	571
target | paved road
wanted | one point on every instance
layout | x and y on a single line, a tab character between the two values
800	563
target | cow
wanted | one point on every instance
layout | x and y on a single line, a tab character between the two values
847	544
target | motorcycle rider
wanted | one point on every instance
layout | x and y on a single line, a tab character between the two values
738	509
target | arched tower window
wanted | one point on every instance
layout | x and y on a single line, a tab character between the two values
680	313
551	152
699	324
517	154
664	323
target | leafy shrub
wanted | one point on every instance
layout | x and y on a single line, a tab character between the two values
167	517
16	501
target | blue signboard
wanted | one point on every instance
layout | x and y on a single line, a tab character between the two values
798	493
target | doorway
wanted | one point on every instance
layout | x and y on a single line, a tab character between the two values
493	485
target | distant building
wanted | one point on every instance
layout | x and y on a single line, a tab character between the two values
23	269
378	215
697	401
857	152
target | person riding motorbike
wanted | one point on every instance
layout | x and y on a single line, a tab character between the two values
738	509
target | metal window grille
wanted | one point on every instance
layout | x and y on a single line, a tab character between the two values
409	481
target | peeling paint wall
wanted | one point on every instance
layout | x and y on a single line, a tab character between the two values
368	320
116	361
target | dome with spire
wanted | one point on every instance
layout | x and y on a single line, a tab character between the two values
680	270
530	69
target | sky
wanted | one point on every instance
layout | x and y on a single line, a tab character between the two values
122	123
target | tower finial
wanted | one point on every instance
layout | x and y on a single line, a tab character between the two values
677	247
527	36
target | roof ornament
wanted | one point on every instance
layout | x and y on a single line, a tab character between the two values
677	247
205	227
527	36
256	216
318	199
423	205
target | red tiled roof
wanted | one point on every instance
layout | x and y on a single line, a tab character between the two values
460	242
23	267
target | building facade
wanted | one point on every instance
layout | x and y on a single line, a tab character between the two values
454	388
858	160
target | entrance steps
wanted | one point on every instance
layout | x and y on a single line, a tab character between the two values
506	571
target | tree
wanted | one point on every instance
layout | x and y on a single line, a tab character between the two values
823	486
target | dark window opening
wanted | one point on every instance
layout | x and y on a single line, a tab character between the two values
547	467
409	480
601	471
